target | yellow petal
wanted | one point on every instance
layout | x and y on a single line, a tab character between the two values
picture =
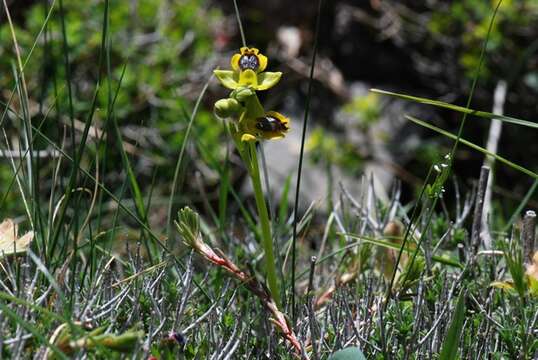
234	62
267	80
278	132
273	135
248	78
263	62
283	119
227	78
248	137
246	50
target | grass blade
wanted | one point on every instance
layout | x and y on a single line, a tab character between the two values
521	206
283	203
451	156
181	155
474	146
461	109
33	330
398	247
449	351
300	165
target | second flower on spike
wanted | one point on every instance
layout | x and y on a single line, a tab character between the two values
273	125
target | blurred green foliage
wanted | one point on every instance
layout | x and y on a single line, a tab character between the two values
468	21
326	148
168	50
165	51
365	108
361	112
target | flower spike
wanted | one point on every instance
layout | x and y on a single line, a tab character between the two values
247	76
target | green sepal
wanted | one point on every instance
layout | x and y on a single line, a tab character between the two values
227	78
268	79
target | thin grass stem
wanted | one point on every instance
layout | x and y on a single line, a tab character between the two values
181	155
450	160
243	39
301	156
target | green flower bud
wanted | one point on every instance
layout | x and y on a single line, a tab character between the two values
242	93
227	107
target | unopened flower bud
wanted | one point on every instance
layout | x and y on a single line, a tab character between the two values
242	93
227	107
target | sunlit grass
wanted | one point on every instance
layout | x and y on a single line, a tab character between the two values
106	277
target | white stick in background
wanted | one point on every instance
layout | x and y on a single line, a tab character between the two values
494	135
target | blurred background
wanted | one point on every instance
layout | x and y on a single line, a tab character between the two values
163	53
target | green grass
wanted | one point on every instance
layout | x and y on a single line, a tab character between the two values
106	278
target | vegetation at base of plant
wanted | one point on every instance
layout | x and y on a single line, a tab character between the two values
106	132
449	350
188	227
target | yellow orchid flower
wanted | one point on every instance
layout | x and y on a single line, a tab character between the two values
273	125
249	58
247	71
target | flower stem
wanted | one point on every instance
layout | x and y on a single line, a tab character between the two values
267	240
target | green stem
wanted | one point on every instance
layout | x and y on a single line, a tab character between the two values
254	107
267	240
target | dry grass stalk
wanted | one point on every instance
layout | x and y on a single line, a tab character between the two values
188	227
